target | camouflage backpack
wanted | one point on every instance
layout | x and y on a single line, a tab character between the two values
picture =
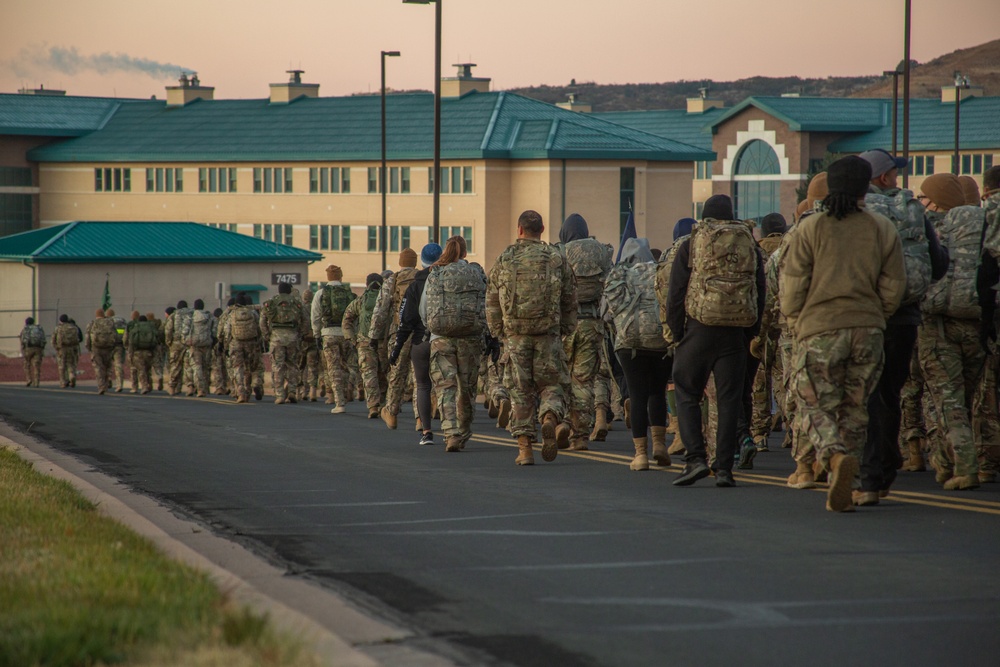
66	335
334	300
770	243
243	324
590	261
630	292
907	214
456	300
367	309
530	287
120	326
662	283
144	336
955	295
199	332
102	332
723	287
284	311
33	336
403	279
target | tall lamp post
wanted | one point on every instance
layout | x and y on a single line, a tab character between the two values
382	174
895	103
907	8
960	83
437	112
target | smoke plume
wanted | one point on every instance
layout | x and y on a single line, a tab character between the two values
40	59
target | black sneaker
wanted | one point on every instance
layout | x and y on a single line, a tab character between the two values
748	450
692	473
724	478
427	438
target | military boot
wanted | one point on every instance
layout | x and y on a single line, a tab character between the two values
600	432
987	477
641	460
312	394
660	453
672	425
803	477
550	444
503	417
962	483
453	443
843	469
578	443
915	462
389	418
677	446
524	455
819	474
492	409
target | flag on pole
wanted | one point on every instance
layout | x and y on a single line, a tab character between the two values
629	233
106	301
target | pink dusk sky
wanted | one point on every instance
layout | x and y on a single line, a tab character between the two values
136	48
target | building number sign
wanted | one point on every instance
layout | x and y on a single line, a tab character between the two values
290	278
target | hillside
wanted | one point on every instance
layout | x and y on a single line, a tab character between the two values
980	63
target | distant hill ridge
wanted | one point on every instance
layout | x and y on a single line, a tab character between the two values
980	63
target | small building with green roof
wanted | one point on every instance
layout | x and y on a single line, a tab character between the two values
147	266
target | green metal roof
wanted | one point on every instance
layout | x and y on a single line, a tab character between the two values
55	116
932	127
144	242
677	124
248	288
476	125
818	114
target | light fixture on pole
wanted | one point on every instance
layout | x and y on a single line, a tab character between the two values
961	82
895	104
437	112
907	10
382	172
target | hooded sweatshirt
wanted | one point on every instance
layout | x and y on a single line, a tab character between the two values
636	251
574	229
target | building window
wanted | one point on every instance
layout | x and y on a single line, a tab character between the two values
232	179
258	231
289	235
324	238
150	180
372	238
268	231
404	180
110	179
314	237
288	179
15	177
203	179
756	197
626	196
467	235
430	180
372	180
15	210
258	179
394	239
973	163
922	165
466	180
168	174
405	236
703	171
394	180
456	180
334	237
345	238
345	180
213	180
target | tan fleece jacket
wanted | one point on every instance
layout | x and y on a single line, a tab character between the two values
839	274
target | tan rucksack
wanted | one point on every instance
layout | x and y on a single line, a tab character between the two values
722	291
103	332
530	287
455	300
662	283
243	324
590	261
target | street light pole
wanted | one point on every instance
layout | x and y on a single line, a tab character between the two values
895	103
906	91
382	173
960	83
437	112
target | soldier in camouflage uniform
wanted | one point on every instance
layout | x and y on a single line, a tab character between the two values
311	361
357	330
282	324
198	327
100	340
989	451
176	349
66	341
767	380
327	315
240	333
384	326
161	368
530	304
141	339
836	303
220	369
951	341
32	340
129	361
590	261
603	414
118	353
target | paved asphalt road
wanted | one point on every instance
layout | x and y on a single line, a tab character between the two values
575	562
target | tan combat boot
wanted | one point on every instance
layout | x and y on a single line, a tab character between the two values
503	417
672	425
641	460
578	444
843	469
962	483
453	443
492	409
312	394
600	432
388	418
677	446
915	462
550	444
524	455
803	477
987	477
660	453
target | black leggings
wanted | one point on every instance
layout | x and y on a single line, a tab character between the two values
420	357
647	373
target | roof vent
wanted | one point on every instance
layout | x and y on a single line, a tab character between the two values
464	82
571	104
962	89
703	102
42	90
283	93
188	90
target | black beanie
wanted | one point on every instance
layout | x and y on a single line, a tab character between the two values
850	176
773	223
718	207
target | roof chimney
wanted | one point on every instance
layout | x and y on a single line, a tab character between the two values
283	93
41	90
571	104
950	93
703	102
189	90
464	82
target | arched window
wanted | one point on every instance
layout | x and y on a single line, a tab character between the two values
755	195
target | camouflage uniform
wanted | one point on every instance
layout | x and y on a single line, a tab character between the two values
242	354
66	341
537	365
284	338
373	365
198	359
911	401
985	420
385	322
336	348
100	356
309	362
835	372
142	359
160	356
176	349
454	371
118	354
590	261
32	355
767	381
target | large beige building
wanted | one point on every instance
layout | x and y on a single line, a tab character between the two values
303	170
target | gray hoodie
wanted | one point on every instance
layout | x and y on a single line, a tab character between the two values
636	251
